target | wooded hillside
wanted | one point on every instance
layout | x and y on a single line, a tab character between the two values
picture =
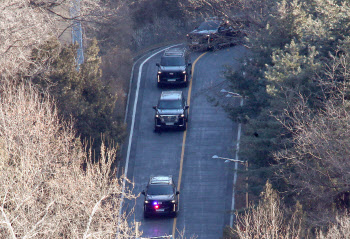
295	85
295	115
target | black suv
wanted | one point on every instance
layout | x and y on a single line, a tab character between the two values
161	196
174	67
171	111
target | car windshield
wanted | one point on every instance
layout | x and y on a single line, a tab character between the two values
160	190
170	104
209	25
172	61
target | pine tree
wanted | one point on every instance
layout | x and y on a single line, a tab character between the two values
82	94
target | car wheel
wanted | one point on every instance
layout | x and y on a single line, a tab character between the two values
145	215
157	129
185	126
160	85
174	214
186	83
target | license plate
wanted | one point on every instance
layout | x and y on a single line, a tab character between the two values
159	210
171	79
169	123
195	42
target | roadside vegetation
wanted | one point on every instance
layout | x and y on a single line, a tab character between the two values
50	186
61	125
295	86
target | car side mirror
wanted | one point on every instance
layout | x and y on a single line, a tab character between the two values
157	64
177	192
154	107
143	192
186	107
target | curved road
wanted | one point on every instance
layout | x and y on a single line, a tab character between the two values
205	183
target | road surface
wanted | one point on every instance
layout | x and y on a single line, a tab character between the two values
205	184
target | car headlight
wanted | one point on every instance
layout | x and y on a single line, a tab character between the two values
182	115
157	116
159	72
173	201
208	36
184	72
146	201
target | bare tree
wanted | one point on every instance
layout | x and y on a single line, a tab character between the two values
211	7
253	11
317	166
268	220
339	229
49	186
26	24
21	28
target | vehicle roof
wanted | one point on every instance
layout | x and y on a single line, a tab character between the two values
215	18
175	52
171	95
161	179
218	22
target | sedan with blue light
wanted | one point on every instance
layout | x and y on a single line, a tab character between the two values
161	197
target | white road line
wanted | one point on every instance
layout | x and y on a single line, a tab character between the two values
132	129
236	167
130	83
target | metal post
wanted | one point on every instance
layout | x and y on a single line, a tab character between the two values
77	35
246	185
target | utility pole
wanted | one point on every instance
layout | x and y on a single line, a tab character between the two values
77	35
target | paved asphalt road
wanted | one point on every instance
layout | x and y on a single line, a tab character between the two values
206	183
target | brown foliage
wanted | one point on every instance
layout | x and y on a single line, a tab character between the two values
116	67
45	191
22	27
27	24
268	220
340	229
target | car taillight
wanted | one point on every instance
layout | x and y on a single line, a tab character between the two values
156	206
